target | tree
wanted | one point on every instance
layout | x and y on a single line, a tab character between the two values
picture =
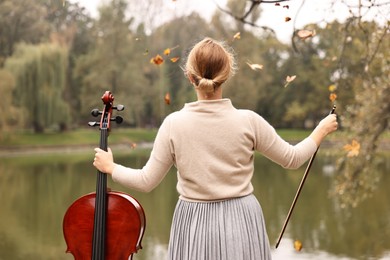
70	26
20	21
39	72
11	116
368	117
113	63
362	67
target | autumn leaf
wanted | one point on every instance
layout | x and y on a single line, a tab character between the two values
157	60
167	98
133	146
289	79
277	4
175	59
167	51
332	97
332	88
297	245
287	19
353	149
255	66
237	36
305	34
286	6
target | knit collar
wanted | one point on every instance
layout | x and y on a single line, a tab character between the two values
208	105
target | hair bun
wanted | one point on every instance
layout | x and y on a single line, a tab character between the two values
207	85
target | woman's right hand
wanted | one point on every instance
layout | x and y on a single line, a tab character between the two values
326	126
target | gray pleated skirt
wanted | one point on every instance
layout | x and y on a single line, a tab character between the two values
223	230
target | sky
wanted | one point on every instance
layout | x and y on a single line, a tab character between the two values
310	11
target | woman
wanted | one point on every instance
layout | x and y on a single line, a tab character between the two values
212	145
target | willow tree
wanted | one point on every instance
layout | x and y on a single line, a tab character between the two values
12	117
40	72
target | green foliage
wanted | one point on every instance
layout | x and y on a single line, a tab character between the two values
11	119
17	26
368	117
40	80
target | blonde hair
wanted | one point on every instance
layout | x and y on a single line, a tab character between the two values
209	64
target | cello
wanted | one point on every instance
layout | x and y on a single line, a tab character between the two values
104	225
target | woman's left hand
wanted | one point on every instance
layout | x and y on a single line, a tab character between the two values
104	161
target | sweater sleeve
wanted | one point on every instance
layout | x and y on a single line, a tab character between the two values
272	146
154	171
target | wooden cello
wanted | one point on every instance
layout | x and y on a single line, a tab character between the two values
104	225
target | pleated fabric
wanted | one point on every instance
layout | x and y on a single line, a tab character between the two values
231	229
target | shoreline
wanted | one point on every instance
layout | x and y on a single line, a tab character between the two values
15	151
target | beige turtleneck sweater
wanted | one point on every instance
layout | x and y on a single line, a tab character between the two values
212	145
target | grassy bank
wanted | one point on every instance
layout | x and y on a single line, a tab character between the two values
76	137
88	136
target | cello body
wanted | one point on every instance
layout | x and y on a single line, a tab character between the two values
123	237
104	225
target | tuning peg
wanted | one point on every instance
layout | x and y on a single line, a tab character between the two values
95	112
119	107
93	123
117	119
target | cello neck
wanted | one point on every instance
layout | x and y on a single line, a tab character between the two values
101	201
99	230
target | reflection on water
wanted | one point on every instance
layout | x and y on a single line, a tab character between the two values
36	192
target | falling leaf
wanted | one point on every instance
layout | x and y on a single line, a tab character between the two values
332	97
167	51
287	19
237	36
158	60
289	79
175	59
255	66
297	245
332	88
305	34
352	149
277	4
286	6
133	146
167	98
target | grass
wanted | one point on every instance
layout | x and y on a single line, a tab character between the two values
76	137
88	136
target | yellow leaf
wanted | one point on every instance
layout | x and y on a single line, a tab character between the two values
167	51
332	88
237	36
174	59
297	245
353	149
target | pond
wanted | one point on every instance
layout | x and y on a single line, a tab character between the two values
36	191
